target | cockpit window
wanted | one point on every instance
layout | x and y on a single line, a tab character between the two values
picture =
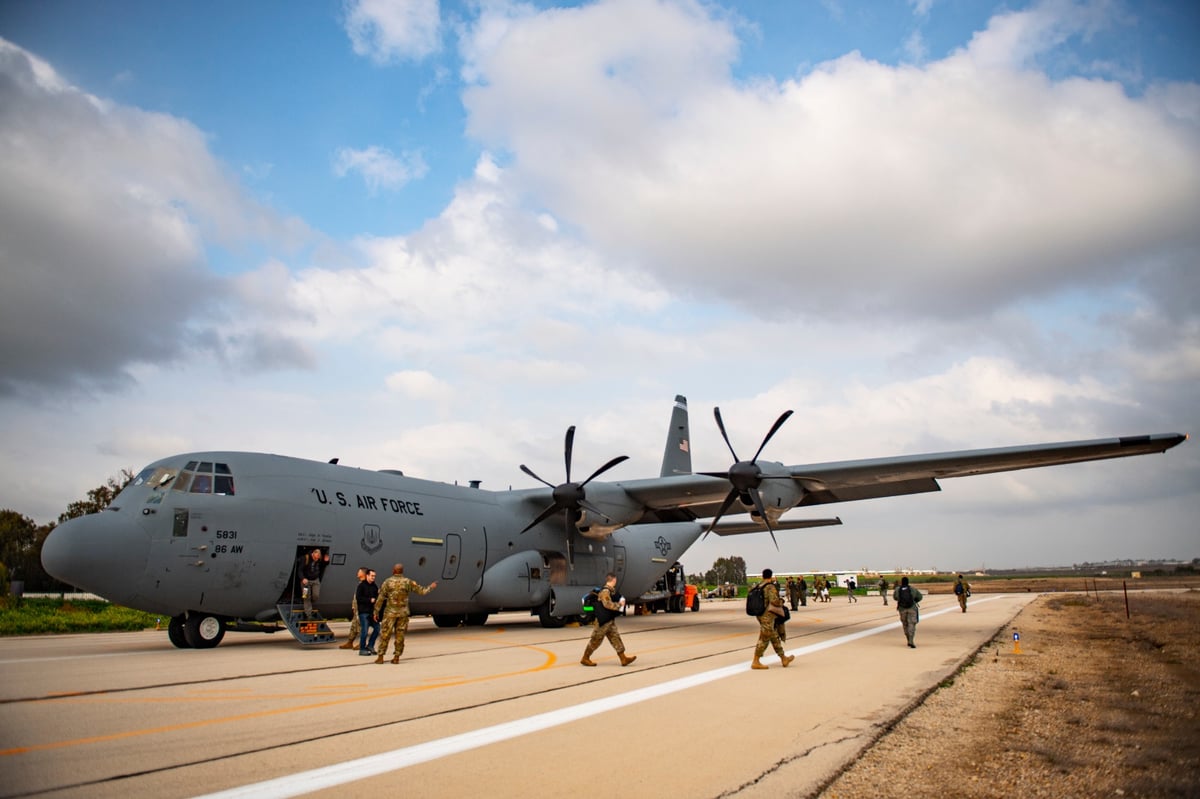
155	477
205	477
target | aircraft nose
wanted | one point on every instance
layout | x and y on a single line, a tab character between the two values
103	553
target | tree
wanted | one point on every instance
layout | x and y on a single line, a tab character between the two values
727	570
21	547
98	498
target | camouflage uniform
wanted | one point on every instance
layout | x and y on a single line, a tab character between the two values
767	634
352	638
393	600
607	630
961	589
883	589
909	616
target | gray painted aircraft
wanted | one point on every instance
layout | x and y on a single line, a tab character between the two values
213	540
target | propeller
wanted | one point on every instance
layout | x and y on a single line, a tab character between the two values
569	498
745	476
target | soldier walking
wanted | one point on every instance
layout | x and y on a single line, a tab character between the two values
767	634
883	590
962	590
609	605
907	598
393	604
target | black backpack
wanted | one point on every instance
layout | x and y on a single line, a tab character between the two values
590	602
756	602
904	597
603	614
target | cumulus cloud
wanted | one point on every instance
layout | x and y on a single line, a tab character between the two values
391	30
951	189
106	213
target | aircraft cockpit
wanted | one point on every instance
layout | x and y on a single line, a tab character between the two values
196	477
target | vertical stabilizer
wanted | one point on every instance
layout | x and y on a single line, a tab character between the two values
677	456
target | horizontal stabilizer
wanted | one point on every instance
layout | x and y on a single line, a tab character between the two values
740	528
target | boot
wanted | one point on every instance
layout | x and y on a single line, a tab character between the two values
348	645
379	659
396	659
786	659
757	664
625	661
586	661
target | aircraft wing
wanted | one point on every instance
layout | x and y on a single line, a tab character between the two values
845	481
740	528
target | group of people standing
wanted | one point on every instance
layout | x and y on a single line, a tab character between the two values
381	611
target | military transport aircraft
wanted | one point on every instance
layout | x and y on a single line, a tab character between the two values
212	539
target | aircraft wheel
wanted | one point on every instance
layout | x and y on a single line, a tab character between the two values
548	619
475	619
447	619
175	633
203	631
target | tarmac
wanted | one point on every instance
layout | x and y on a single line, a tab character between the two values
503	710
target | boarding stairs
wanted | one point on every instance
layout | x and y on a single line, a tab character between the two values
307	628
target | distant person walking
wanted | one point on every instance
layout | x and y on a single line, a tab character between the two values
803	585
392	606
767	634
908	600
883	590
962	590
793	592
609	605
851	587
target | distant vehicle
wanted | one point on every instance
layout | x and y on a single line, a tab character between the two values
671	594
211	539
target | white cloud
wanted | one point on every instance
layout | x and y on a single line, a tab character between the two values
379	167
393	30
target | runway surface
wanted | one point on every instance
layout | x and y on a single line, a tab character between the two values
503	710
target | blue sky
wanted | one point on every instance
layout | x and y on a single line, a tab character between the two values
432	236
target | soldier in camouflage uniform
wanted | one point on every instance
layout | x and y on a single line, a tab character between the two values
352	639
605	623
766	624
393	604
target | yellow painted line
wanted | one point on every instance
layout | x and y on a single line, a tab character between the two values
550	660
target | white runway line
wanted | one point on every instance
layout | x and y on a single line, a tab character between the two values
375	765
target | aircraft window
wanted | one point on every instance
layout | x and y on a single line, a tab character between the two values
222	468
223	485
191	466
183	482
205	466
202	484
143	475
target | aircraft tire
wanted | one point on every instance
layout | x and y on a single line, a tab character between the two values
175	633
475	619
448	619
203	631
548	620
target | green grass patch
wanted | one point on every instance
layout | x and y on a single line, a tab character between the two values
47	615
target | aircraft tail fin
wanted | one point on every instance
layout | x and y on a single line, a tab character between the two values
677	456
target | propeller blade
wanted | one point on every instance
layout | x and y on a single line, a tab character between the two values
774	429
529	472
568	446
543	516
724	435
762	512
729	498
604	469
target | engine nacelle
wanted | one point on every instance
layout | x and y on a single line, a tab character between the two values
616	507
779	494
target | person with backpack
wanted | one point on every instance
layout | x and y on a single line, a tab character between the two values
609	604
962	590
907	600
771	609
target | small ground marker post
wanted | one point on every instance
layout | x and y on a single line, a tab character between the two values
1016	643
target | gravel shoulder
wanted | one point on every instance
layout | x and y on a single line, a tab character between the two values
1093	704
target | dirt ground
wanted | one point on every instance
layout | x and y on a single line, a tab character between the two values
1094	704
